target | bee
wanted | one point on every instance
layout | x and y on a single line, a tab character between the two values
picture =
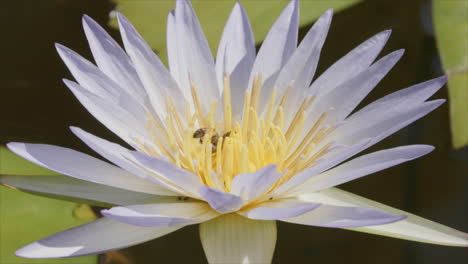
201	132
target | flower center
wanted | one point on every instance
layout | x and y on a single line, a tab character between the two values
217	151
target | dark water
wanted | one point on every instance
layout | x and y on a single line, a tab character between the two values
36	107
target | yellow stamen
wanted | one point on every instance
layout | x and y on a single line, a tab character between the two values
218	150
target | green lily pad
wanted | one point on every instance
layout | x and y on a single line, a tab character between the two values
25	218
149	17
451	28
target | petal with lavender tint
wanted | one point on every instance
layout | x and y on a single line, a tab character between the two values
95	81
344	217
236	55
96	237
279	209
350	65
362	166
196	63
345	97
112	59
156	79
296	75
327	161
220	201
162	214
402	99
168	173
276	49
117	119
412	228
81	166
381	124
121	157
83	190
233	238
250	186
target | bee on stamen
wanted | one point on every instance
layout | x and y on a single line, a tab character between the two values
201	132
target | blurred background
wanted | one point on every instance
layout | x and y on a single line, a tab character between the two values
37	107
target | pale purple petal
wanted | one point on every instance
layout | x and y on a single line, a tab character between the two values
279	209
220	201
156	79
329	160
112	59
236	55
300	68
402	99
413	228
96	237
168	172
351	64
382	125
342	100
120	156
196	62
276	49
95	81
250	186
162	214
362	166
344	217
83	190
81	166
123	123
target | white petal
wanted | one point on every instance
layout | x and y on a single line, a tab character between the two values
362	166
250	186
329	160
236	55
94	80
234	239
277	48
382	125
119	156
351	64
220	201
112	59
162	214
300	69
196	62
82	166
412	228
173	53
117	119
402	99
279	209
168	173
344	217
96	237
155	77
84	190
342	100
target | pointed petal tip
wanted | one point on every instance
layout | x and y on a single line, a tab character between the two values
14	146
36	250
59	47
87	19
425	149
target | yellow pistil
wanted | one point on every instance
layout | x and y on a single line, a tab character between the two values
218	150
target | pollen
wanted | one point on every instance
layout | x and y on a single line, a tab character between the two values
219	149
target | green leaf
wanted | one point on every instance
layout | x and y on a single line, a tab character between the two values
451	29
149	17
25	218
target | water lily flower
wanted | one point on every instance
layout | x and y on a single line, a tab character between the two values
233	144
